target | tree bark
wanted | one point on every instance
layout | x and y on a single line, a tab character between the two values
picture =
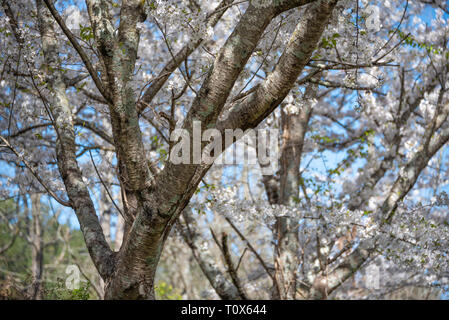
295	126
37	247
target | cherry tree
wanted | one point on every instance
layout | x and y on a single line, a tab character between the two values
335	226
92	92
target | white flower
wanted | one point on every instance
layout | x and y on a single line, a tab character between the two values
73	20
140	26
291	108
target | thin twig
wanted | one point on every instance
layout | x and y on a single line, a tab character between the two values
104	185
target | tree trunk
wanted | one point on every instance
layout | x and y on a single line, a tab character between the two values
37	248
287	246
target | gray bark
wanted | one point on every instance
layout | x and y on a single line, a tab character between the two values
287	246
222	286
37	247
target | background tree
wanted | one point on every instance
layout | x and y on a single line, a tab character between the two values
34	265
92	91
